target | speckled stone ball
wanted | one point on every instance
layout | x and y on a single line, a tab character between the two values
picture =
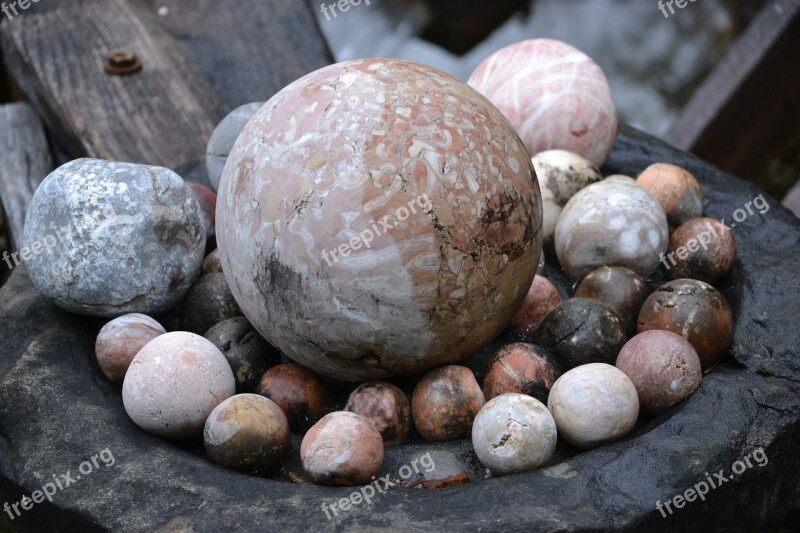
120	340
561	174
106	239
613	223
676	190
378	217
248	433
445	402
223	138
207	200
663	367
246	351
696	311
580	331
342	449
621	289
386	406
209	301
174	383
513	433
554	95
520	367
542	298
298	391
593	404
702	248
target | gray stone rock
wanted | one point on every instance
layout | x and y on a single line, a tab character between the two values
221	141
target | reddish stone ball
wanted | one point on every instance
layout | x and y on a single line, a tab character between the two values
297	391
120	340
542	298
696	311
207	200
445	402
621	289
663	367
342	449
703	249
519	367
386	406
676	190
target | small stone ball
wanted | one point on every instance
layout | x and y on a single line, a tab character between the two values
561	174
621	289
523	368
247	432
298	391
223	138
342	449
207	200
593	404
174	383
513	433
622	178
554	95
664	368
676	190
696	311
211	263
542	298
118	238
208	302
445	402
581	331
120	340
611	223
703	249
386	406
246	351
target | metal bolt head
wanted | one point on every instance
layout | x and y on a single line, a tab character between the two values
122	62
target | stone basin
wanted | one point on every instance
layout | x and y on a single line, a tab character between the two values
58	410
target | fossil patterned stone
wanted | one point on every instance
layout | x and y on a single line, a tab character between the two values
223	138
378	217
386	406
554	95
113	238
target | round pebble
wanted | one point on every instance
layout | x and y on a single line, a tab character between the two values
622	178
174	383
696	311
664	368
248	433
445	402
676	190
120	340
620	289
542	298
702	248
207	200
246	351
513	433
611	223
118	238
298	391
212	263
523	368
386	406
224	136
593	404
342	449
581	331
208	302
554	95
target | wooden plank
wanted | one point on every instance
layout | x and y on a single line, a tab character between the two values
751	98
162	115
249	49
24	162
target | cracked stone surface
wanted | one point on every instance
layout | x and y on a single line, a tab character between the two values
57	410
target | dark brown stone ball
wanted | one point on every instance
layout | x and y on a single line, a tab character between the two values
523	368
696	311
297	391
621	289
703	249
445	402
247	352
209	301
386	406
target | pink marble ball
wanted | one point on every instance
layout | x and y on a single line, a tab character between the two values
120	340
378	217
554	95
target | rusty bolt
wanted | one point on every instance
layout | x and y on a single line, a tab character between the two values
122	62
